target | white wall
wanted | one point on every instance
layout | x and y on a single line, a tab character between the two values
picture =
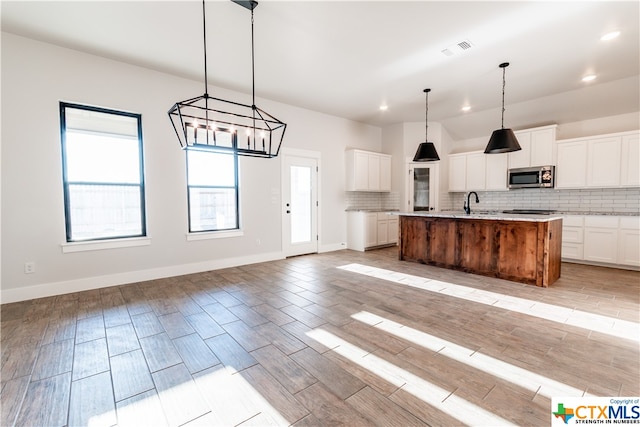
37	76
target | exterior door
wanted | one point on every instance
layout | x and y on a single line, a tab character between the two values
300	204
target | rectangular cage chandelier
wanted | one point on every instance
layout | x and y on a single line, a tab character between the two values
209	123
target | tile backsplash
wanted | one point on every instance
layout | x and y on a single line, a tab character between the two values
372	200
605	200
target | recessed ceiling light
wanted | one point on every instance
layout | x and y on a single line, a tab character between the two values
610	36
589	78
466	108
384	108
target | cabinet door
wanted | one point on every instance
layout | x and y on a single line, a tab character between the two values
496	171
476	171
385	173
600	244
457	173
542	147
374	173
571	171
601	239
371	230
629	247
630	167
521	158
392	230
629	241
383	232
361	171
604	162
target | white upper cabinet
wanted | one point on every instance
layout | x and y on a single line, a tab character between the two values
521	158
496	172
385	173
458	172
542	144
630	156
600	161
368	171
571	171
476	169
537	147
603	162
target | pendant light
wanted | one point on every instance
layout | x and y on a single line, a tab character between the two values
426	150
208	123
502	140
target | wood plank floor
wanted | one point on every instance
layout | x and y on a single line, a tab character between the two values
342	338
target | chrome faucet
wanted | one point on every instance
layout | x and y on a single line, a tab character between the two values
467	205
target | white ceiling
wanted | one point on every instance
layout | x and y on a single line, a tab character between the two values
348	58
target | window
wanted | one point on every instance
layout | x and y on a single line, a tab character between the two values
102	173
212	180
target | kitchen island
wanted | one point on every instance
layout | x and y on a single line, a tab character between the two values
520	248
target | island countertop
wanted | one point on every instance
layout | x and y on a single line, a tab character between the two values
482	215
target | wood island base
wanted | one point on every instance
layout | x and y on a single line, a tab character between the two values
525	251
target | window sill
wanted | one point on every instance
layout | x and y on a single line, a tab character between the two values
70	247
207	235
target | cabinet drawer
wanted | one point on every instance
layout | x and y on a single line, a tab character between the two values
630	223
572	250
572	234
601	221
573	221
383	216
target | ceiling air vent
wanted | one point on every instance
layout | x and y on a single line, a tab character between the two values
464	45
457	48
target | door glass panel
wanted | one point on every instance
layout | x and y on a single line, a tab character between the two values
300	204
420	189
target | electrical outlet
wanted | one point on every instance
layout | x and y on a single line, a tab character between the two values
258	242
29	267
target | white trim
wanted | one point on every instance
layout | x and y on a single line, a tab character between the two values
98	245
434	185
332	247
88	283
304	154
297	152
207	235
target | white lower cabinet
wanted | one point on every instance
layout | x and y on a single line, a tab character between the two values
573	237
387	229
602	239
370	229
629	241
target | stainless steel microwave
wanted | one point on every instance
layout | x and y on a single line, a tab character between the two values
534	177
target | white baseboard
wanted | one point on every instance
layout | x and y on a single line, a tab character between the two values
96	282
332	247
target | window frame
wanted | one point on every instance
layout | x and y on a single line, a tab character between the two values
66	183
236	187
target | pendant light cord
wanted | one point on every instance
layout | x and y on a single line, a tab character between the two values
503	86
253	71
426	115
204	31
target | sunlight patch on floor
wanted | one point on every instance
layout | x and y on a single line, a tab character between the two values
441	399
594	322
506	371
230	397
